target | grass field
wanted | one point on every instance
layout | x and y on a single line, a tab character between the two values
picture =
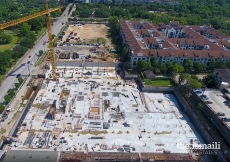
40	32
157	83
14	40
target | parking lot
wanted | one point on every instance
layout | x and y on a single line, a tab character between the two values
217	103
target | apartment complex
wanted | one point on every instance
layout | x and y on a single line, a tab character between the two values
173	42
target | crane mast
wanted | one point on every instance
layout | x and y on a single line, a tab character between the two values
51	53
49	27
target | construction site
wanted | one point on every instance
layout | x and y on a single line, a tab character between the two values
90	110
75	44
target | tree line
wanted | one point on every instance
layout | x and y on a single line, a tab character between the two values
11	10
190	12
9	57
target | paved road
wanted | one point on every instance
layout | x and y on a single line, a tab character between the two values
23	68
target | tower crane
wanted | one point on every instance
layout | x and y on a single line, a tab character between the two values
46	12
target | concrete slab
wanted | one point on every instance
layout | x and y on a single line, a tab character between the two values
97	99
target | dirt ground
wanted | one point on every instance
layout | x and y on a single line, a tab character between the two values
88	32
83	51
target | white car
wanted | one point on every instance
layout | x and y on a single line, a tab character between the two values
8	109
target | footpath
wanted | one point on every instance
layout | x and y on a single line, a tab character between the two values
8	124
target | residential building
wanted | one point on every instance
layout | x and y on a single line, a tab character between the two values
86	1
173	42
222	77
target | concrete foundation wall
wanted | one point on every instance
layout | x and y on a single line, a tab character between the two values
85	64
157	89
193	118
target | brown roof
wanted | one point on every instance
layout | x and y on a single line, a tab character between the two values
224	42
134	43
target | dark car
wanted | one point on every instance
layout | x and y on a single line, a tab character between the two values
18	75
208	102
28	62
29	56
87	73
220	114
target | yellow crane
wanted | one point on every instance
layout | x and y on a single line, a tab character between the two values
49	27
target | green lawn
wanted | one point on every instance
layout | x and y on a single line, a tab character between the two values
16	39
157	83
11	44
40	32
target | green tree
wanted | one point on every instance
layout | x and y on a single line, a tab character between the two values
53	36
25	29
8	98
193	83
17	85
20	80
177	68
36	24
102	13
40	52
188	65
200	106
2	107
5	38
154	62
163	68
183	78
85	13
124	54
212	64
209	81
199	67
142	75
127	65
11	92
143	65
113	21
29	40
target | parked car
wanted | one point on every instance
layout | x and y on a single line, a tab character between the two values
8	109
18	75
226	119
220	114
198	91
204	97
208	102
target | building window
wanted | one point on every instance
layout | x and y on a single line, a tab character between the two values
134	63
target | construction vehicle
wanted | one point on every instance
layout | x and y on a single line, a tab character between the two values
46	12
